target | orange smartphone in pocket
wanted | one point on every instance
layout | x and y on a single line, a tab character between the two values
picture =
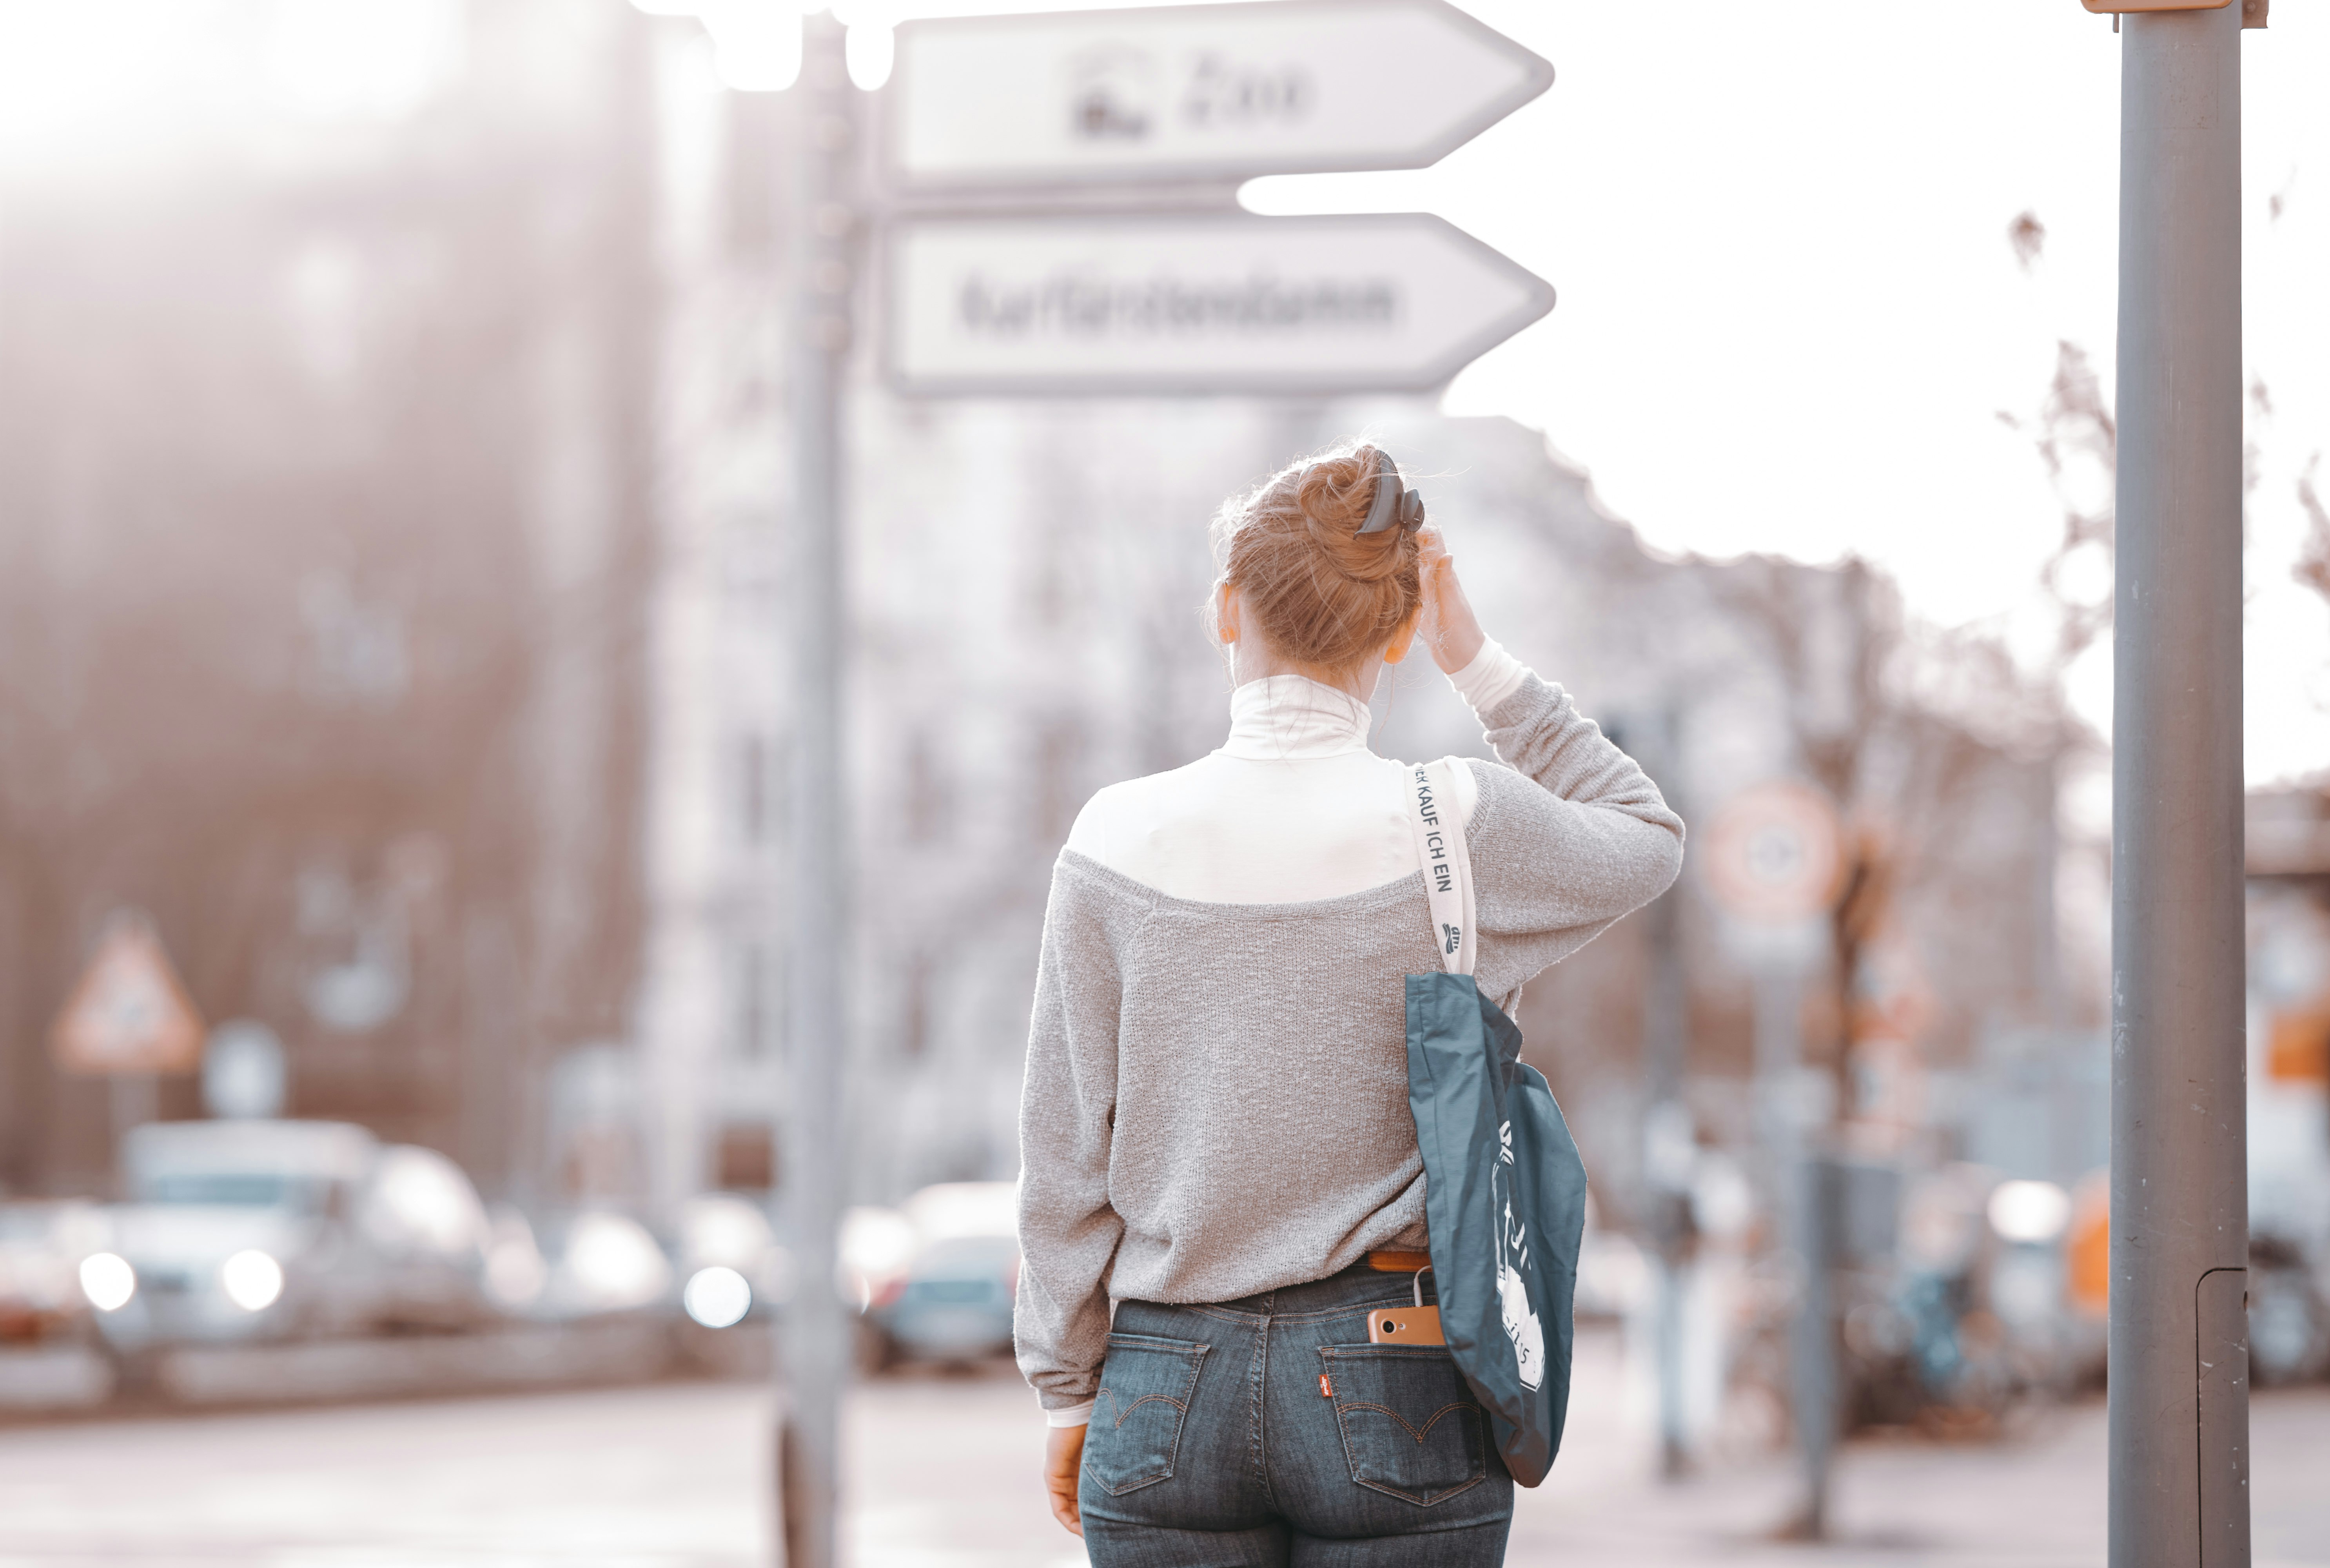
1405	1325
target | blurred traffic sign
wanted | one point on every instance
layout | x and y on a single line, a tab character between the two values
1196	92
128	1014
1773	855
243	1074
1199	303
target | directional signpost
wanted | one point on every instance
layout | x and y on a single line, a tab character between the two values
1192	92
1060	218
1203	303
1051	113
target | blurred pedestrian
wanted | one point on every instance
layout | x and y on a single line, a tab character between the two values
1217	1143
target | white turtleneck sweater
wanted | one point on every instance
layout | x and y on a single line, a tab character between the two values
1216	1099
1292	807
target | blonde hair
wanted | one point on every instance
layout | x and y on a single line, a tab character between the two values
1321	594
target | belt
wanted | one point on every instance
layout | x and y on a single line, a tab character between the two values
1399	1262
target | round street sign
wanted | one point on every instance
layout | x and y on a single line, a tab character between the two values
242	1071
1774	855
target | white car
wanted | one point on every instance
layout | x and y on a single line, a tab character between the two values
266	1230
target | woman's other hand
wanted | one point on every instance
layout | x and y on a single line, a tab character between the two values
1064	1459
1450	630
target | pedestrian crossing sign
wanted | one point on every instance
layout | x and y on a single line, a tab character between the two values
129	1013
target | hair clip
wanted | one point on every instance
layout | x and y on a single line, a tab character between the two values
1392	505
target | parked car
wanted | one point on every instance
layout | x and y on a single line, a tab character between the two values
953	1299
266	1229
876	1245
42	1245
602	1261
717	1262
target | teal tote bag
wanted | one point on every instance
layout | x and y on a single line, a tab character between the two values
1504	1189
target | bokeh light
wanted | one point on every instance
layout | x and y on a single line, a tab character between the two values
2030	1212
108	1280
253	1279
716	1297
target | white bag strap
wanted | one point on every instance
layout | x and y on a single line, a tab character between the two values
1447	864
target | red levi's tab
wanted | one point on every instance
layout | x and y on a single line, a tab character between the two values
1326	1389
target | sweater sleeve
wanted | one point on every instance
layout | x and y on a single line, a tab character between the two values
1068	1231
1569	837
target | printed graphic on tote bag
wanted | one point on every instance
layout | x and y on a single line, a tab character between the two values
1513	1288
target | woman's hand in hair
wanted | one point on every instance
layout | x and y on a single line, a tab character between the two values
1063	1458
1451	630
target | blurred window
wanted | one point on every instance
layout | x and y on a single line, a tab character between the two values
950	1288
915	1027
930	801
1059	756
759	788
27	1221
967	1258
759	1026
746	1157
232	1189
756	138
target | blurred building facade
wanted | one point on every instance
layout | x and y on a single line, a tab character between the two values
324	458
394	541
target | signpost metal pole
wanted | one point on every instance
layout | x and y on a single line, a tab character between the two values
2179	1402
1775	860
814	1333
1669	1147
1795	1178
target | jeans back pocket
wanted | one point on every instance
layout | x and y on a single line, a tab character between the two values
1411	1426
1145	1386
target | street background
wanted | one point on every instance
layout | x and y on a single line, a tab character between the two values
426	425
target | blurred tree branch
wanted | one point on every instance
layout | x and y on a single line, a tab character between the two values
2312	567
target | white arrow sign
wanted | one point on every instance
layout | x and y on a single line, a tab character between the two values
1195	304
1196	92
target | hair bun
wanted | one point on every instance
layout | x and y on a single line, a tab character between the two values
1273	542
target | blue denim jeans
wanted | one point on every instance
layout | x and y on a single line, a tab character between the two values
1267	1432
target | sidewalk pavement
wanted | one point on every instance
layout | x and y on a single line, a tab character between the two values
944	1475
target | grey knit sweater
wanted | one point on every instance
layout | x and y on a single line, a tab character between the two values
1216	1101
